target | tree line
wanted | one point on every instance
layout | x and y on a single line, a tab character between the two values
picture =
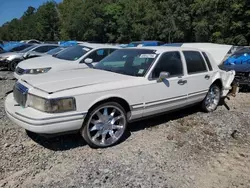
122	21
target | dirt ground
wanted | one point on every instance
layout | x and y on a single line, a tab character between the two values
185	149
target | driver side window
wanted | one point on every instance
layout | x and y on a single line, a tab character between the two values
98	55
169	62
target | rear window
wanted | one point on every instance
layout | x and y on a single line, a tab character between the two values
195	62
208	61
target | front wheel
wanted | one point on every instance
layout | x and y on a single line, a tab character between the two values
105	125
211	101
12	65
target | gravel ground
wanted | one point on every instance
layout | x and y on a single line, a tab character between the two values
185	149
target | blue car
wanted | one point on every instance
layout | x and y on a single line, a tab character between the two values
144	43
241	56
68	43
13	46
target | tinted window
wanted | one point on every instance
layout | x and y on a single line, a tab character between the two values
133	62
169	62
195	62
208	61
44	49
98	55
72	53
55	50
41	49
27	49
112	50
20	48
51	48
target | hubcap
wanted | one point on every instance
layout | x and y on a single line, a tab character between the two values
213	98
106	125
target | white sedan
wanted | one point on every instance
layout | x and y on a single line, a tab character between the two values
128	85
74	57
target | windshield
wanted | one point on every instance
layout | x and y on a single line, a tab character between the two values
133	62
28	48
72	53
55	50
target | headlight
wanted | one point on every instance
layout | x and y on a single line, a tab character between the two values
37	71
57	105
3	58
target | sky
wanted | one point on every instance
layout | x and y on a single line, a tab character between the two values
10	9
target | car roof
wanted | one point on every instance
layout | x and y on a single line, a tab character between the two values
161	49
97	45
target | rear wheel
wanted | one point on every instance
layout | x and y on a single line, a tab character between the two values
211	101
105	125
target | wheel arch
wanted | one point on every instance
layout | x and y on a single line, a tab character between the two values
218	82
124	103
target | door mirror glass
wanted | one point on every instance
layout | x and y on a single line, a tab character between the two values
163	76
88	61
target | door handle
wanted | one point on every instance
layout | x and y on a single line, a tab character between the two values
207	77
182	82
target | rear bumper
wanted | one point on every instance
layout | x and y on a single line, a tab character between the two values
40	122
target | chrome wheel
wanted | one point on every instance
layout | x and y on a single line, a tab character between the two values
106	125
213	98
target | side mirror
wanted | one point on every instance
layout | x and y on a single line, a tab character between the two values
163	76
88	61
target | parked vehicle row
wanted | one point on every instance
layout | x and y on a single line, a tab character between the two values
98	89
75	57
11	59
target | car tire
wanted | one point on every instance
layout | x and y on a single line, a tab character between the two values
105	125
12	66
212	99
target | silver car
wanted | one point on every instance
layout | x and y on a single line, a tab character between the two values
11	59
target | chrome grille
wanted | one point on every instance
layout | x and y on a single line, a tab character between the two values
19	71
20	94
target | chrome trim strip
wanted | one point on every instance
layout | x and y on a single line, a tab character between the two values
197	93
137	106
50	118
158	102
40	124
167	100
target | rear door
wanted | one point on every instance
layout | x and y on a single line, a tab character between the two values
199	76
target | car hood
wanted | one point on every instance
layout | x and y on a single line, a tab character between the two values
237	67
8	54
42	62
56	82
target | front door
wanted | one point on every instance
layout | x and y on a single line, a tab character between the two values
169	94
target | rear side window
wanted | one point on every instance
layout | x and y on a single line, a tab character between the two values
208	61
195	62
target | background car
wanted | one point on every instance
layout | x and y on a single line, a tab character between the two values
4	56
127	85
240	63
12	59
145	43
74	57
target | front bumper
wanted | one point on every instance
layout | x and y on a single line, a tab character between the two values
40	122
17	76
4	63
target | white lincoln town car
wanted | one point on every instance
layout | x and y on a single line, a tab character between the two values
127	85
